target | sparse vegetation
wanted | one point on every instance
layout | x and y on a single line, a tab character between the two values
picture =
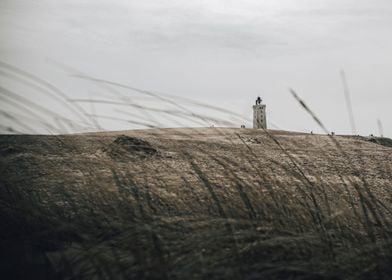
205	203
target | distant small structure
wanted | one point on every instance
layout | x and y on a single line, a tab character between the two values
259	115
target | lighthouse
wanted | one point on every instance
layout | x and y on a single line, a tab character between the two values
259	115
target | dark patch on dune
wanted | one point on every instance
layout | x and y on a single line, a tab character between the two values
124	146
9	150
253	140
387	142
383	141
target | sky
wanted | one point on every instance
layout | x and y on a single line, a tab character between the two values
221	53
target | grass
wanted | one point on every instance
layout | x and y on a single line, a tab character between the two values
210	203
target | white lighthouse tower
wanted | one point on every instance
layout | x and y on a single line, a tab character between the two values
259	115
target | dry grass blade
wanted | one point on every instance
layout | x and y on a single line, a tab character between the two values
348	102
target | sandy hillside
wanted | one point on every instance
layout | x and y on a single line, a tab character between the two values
195	203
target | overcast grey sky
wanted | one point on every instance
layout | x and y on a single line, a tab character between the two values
219	52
